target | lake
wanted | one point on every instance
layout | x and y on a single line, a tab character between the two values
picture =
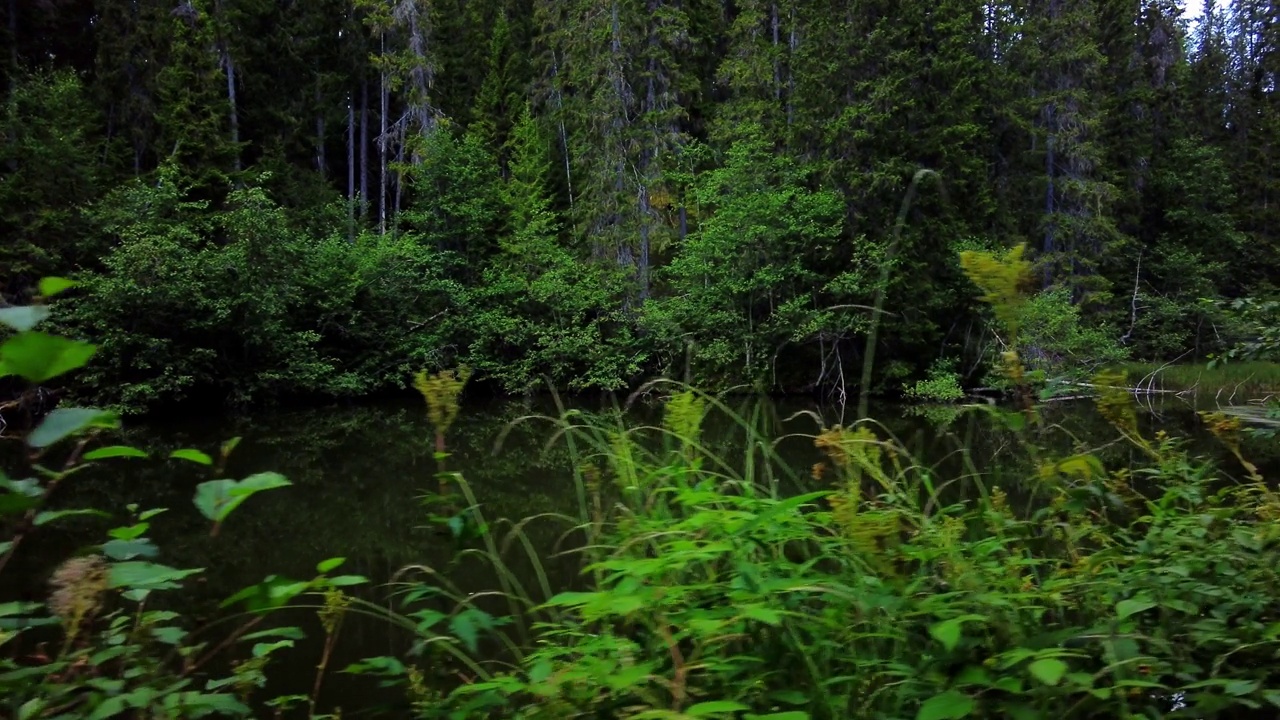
361	474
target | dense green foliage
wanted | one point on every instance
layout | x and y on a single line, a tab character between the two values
265	198
1072	590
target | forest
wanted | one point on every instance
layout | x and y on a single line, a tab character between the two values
263	199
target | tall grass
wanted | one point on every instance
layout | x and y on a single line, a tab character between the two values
1234	382
711	590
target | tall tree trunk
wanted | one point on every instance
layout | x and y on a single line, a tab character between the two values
321	165
383	90
351	167
13	43
230	67
364	148
564	134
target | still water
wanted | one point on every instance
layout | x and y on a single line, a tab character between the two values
361	474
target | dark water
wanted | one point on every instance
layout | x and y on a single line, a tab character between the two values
361	474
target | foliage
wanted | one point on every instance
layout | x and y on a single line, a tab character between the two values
110	651
941	385
709	586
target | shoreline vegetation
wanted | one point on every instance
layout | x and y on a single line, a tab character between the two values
1084	584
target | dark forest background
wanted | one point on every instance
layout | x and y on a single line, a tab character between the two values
273	197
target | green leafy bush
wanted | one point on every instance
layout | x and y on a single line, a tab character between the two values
941	385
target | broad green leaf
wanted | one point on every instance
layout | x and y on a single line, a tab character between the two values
51	286
191	455
32	709
947	632
762	614
147	576
326	565
130	549
272	592
110	707
28	487
213	496
12	503
23	317
1239	688
216	499
464	628
264	649
786	715
169	635
38	357
64	422
949	705
131	532
715	707
114	451
10	609
1125	608
148	514
49	516
259	482
346	580
6	546
1048	670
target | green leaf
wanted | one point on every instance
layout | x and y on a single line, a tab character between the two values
1048	670
947	632
63	422
191	455
715	707
132	532
110	707
51	286
169	635
464	628
114	451
949	705
786	715
1125	608
38	357
264	649
259	482
12	503
762	614
288	632
346	580
49	516
148	514
381	665
31	709
326	565
130	549
23	317
1240	688
147	576
213	497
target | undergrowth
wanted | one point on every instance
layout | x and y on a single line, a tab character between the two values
866	586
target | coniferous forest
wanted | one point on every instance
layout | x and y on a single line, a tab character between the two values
263	198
